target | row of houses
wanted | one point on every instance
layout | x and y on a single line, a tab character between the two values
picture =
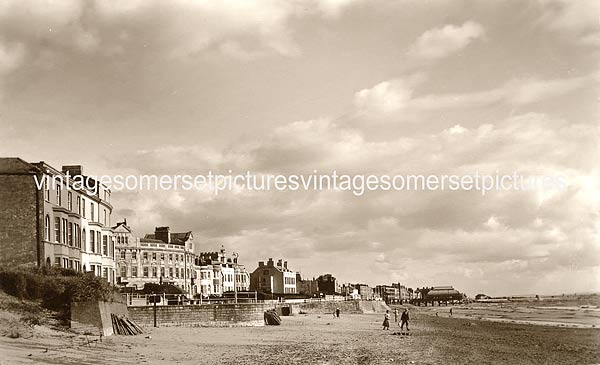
63	218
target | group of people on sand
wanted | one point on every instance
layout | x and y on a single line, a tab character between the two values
404	318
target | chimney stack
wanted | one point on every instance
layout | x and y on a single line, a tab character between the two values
270	262
73	170
285	265
261	264
163	234
279	263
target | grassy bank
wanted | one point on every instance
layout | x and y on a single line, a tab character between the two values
54	288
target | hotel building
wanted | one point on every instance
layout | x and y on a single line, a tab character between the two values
163	257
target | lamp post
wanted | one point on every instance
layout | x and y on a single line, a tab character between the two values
235	256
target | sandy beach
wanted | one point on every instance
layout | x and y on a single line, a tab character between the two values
318	339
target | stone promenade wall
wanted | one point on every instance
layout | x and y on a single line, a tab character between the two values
205	315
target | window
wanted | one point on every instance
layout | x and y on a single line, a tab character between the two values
134	272
145	271
170	272
119	239
84	239
145	255
58	195
70	201
46	191
123	254
162	272
105	245
176	272
170	257
64	231
70	234
56	229
92	241
153	256
92	212
105	273
162	257
83	207
154	272
104	216
123	271
79	205
134	255
78	235
47	228
98	241
126	240
112	247
57	261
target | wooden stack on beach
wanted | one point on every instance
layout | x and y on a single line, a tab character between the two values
124	326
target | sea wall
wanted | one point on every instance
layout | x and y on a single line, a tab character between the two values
205	315
94	317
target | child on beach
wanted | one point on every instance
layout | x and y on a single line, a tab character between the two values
386	320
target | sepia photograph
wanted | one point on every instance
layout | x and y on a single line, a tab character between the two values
299	182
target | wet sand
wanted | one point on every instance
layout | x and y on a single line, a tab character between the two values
321	339
584	316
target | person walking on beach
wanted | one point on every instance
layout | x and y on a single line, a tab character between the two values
386	320
337	312
404	320
396	315
450	312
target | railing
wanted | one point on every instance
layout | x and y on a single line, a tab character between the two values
181	299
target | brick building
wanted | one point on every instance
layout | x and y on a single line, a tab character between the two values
55	218
309	287
271	278
387	293
327	284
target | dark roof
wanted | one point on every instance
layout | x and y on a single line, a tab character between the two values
119	224
176	238
15	165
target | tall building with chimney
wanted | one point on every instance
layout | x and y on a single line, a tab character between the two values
273	278
163	257
218	274
55	217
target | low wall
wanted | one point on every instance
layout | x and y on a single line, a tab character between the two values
205	315
94	316
348	307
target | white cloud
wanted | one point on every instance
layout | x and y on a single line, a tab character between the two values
441	42
386	96
578	19
397	95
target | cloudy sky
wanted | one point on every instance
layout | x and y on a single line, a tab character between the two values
408	87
